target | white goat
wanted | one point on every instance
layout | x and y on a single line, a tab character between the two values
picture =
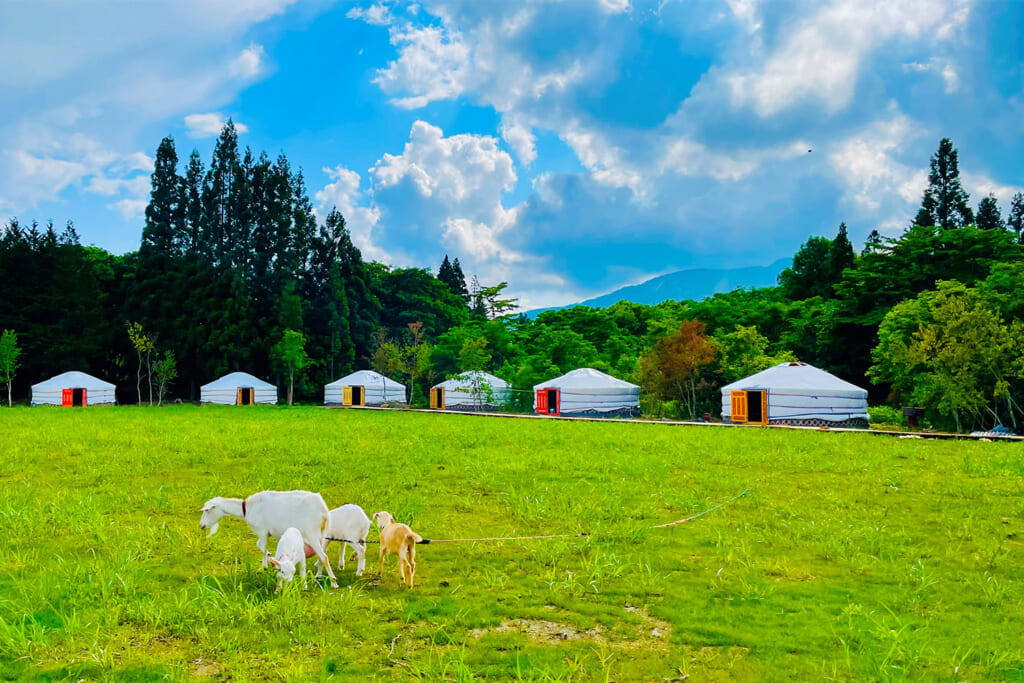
270	513
350	523
291	552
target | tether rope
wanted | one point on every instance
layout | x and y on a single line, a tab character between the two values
427	541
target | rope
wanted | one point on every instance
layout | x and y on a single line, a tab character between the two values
427	541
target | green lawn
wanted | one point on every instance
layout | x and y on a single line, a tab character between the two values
854	557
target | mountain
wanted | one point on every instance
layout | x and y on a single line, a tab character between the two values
693	283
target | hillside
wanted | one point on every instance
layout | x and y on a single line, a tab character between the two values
693	283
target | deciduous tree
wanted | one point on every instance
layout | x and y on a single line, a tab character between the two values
9	353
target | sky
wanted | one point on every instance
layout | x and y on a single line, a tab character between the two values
567	147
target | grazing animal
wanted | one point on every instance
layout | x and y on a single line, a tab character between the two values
271	513
291	552
350	523
397	539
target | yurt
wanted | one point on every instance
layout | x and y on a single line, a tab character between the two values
796	394
472	390
364	388
73	389
586	391
238	389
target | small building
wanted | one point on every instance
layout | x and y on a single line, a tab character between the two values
795	394
364	388
238	389
73	389
472	390
586	391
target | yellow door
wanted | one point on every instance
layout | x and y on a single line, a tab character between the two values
437	398
346	396
739	406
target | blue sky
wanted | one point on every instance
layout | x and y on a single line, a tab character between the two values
569	147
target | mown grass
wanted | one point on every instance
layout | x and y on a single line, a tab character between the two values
855	557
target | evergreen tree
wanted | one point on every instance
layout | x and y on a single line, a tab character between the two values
165	212
192	196
945	201
217	195
841	255
459	281
445	273
873	244
989	217
1015	221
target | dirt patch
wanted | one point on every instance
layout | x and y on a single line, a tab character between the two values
651	634
205	669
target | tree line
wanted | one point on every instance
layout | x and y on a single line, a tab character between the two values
236	272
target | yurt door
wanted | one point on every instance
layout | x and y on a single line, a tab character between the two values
358	396
437	398
346	396
547	402
66	397
757	407
245	396
78	397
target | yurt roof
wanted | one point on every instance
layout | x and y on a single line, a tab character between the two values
585	378
797	378
465	380
72	380
238	379
367	378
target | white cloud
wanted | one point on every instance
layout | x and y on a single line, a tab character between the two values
344	195
616	6
943	67
375	15
866	165
520	138
249	62
209	125
822	56
432	65
130	208
979	186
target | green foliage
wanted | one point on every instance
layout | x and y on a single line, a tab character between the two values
677	365
882	417
166	371
744	352
290	352
950	351
989	217
9	353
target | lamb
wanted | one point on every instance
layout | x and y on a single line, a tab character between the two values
350	523
397	539
271	513
291	551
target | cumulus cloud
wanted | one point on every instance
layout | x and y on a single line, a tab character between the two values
249	62
432	65
344	194
616	6
375	15
209	125
821	58
520	138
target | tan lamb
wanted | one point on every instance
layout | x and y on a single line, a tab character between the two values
397	539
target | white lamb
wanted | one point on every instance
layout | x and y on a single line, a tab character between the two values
271	513
291	552
350	524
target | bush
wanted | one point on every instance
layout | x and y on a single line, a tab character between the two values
886	416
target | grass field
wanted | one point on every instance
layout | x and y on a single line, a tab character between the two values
854	557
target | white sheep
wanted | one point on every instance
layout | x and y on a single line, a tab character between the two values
350	523
270	513
291	552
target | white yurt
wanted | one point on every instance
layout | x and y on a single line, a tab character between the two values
238	389
72	389
364	388
472	390
586	391
795	393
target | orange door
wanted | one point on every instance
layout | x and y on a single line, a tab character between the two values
739	406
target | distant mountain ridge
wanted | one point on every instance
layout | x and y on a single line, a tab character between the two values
692	283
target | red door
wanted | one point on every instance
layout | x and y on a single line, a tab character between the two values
542	402
67	397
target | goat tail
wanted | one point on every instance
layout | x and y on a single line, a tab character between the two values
411	540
